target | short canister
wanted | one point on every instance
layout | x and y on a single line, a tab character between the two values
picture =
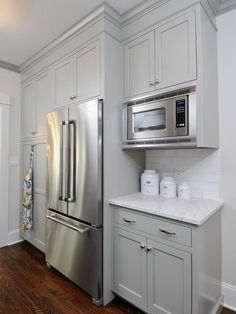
168	187
184	191
150	182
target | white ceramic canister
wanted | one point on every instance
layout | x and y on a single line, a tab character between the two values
184	191
150	182
168	187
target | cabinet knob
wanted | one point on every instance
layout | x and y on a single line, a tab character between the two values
156	81
148	249
151	83
142	246
72	97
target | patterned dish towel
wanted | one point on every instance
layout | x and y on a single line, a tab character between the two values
27	213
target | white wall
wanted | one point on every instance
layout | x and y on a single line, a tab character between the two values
10	84
226	24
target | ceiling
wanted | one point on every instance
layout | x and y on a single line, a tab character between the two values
26	26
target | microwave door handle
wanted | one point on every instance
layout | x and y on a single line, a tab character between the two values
71	161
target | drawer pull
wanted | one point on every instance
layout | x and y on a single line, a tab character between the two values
129	220
167	232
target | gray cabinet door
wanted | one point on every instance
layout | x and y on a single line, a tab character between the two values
43	102
130	267
88	72
175	49
139	65
169	279
29	127
63	83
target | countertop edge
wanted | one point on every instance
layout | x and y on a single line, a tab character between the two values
114	202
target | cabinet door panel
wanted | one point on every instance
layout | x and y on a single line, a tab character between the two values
42	98
175	47
36	235
169	280
62	83
130	266
28	110
139	65
87	72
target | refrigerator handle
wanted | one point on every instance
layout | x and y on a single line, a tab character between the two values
63	176
72	158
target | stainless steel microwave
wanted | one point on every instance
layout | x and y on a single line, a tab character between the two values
167	120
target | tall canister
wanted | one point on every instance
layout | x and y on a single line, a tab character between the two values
150	182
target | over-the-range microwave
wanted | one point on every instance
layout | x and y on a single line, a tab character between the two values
167	120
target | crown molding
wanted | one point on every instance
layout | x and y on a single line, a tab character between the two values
9	66
225	6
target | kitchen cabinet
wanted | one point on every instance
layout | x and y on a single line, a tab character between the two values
77	78
36	235
130	266
62	83
164	57
35	105
169	279
139	65
163	266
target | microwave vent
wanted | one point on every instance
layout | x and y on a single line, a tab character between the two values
161	97
160	143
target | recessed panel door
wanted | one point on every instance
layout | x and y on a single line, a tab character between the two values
130	266
175	48
139	65
169	279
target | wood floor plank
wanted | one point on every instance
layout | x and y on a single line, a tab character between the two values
28	286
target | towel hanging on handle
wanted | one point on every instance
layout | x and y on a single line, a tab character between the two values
27	212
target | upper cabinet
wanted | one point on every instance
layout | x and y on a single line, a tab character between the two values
139	65
175	52
77	78
166	56
62	83
35	105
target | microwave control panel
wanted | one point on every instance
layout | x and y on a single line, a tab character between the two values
180	113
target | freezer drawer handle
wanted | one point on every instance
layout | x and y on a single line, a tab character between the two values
80	230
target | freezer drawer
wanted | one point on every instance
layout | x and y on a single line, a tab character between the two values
75	250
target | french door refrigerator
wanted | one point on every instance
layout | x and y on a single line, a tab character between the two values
74	195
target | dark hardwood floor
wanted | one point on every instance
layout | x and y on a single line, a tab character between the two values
28	286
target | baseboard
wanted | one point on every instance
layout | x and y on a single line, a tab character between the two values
229	292
14	237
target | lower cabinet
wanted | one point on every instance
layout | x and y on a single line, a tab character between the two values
164	266
151	275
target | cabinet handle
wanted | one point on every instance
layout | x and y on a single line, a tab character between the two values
151	83
129	220
148	249
156	81
142	246
72	97
167	232
34	132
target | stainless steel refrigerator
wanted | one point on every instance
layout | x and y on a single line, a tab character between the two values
74	195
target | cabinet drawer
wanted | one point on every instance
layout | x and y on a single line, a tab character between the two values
163	229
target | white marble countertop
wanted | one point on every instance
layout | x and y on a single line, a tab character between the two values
194	211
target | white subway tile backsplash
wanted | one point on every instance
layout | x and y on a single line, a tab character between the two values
200	167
